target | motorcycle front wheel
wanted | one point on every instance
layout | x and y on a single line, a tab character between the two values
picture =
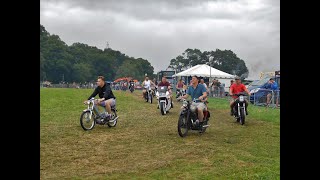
150	98
87	122
242	116
146	97
183	125
162	109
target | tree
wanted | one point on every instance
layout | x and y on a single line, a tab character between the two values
224	60
81	62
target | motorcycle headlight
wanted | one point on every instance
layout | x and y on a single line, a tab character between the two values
184	103
254	90
241	98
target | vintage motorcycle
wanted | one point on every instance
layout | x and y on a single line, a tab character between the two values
188	118
131	87
164	99
148	95
239	110
91	116
180	92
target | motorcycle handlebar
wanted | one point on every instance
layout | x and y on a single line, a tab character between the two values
239	94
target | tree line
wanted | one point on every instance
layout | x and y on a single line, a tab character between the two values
224	60
83	63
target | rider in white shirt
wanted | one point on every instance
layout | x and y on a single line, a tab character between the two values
146	85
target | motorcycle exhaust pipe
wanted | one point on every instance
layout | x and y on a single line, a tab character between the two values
114	119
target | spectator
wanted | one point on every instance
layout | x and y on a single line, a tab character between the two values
217	88
273	87
204	84
222	89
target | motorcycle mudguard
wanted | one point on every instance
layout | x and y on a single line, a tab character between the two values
183	112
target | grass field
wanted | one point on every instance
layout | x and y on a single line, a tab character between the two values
146	145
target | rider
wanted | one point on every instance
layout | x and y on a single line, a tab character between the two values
131	83
146	84
164	82
236	88
273	87
107	99
179	85
197	91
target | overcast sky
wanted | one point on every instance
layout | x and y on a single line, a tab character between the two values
159	30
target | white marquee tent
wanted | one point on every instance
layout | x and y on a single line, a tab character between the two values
203	70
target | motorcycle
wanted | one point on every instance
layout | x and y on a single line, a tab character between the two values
180	92
154	91
148	95
92	116
188	119
239	109
164	99
131	88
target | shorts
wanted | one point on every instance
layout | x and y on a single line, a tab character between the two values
199	105
113	102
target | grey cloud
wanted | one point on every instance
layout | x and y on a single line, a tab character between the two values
150	10
160	31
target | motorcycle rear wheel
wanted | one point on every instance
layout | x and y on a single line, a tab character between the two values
113	116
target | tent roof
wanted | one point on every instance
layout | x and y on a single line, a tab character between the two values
203	70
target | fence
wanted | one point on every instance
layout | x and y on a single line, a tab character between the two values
77	86
217	92
265	97
258	98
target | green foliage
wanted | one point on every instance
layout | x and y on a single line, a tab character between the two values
81	62
224	60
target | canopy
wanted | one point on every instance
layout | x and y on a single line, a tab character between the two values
203	70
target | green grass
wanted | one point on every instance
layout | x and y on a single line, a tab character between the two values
146	145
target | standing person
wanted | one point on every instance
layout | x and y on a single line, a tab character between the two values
222	89
272	86
217	88
214	87
236	88
204	84
107	99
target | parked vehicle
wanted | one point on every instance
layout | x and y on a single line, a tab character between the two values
257	90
